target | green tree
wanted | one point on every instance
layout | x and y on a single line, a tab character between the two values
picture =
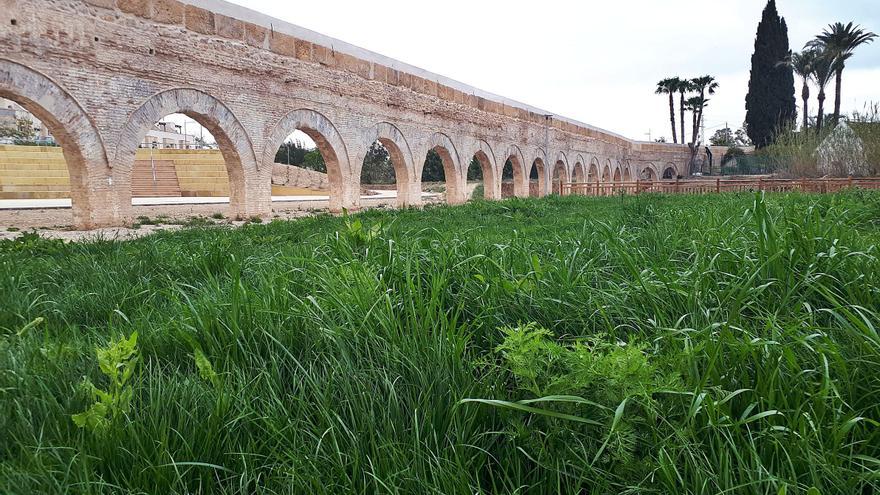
313	160
20	130
702	85
839	41
823	71
475	170
669	87
684	87
377	168
433	170
802	64
770	103
723	137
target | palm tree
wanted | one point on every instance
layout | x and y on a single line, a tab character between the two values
840	41
802	65
823	71
668	87
702	85
684	87
696	105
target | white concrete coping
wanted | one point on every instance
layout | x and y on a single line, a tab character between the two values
252	16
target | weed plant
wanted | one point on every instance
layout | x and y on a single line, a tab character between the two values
651	344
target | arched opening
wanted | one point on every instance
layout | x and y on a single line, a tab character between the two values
307	157
178	157
70	159
560	177
386	171
440	174
649	174
669	173
514	177
580	178
537	186
481	177
248	191
617	176
606	173
627	177
509	179
593	173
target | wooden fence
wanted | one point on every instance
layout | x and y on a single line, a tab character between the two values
703	186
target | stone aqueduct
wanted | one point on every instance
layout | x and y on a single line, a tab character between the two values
100	73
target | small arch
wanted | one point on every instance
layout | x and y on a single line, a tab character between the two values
329	142
560	177
442	145
669	172
92	198
248	195
400	154
538	172
617	175
606	172
520	174
593	171
487	166
627	176
649	172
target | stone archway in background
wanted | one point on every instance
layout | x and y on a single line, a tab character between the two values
485	158
516	164
329	143
249	190
389	137
445	150
93	198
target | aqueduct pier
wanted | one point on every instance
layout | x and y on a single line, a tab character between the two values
100	73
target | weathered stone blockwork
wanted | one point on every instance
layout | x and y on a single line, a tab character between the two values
100	72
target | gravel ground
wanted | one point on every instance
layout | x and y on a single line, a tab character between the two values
56	223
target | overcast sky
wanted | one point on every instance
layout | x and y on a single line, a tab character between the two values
593	61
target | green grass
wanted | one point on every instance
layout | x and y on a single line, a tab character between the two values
701	345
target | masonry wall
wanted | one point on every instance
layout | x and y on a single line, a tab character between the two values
99	73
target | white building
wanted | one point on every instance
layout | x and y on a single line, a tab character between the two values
11	113
168	135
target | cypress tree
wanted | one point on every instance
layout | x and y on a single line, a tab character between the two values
770	103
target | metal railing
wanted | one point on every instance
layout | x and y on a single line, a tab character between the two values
697	186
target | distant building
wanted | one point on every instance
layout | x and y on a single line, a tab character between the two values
167	135
11	113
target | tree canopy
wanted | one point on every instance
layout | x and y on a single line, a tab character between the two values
770	103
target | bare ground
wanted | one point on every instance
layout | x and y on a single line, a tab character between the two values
56	223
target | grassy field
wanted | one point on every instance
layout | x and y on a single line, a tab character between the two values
669	345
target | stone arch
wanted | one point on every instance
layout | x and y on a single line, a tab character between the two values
452	170
409	189
649	172
579	171
491	179
669	172
520	174
606	171
627	175
93	201
539	161
250	192
593	171
330	144
617	174
560	168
